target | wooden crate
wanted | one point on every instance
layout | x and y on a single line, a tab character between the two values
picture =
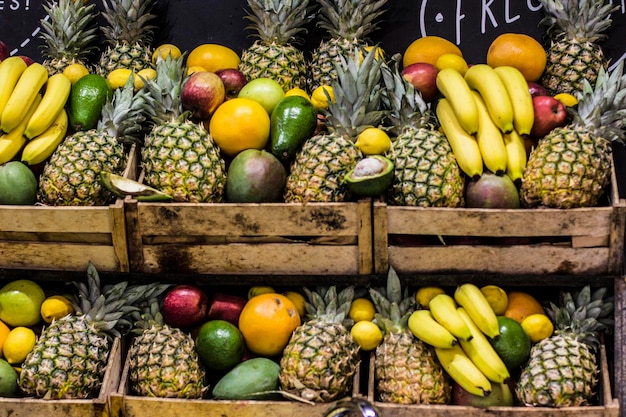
584	241
607	407
268	238
97	407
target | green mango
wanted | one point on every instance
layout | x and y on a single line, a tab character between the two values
255	378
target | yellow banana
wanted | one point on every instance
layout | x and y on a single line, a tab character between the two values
477	307
10	71
451	84
423	326
464	145
461	369
489	138
484	79
443	308
521	100
482	353
27	88
11	143
53	101
516	155
41	147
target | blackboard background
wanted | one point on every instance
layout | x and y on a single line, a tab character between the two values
472	24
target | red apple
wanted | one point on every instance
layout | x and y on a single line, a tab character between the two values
233	80
26	59
226	307
423	76
4	51
185	306
202	93
550	113
537	89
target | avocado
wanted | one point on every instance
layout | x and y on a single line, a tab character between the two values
123	187
292	121
255	378
371	176
87	98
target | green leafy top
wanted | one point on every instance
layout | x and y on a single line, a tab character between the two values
582	20
280	21
350	19
393	304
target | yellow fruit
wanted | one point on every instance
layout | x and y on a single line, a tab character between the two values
496	297
297	91
567	99
4	332
162	51
55	307
377	55
213	57
425	294
520	51
74	72
522	305
298	300
144	74
362	309
428	49
194	69
260	289
373	141
366	334
537	327
118	77
319	98
18	344
453	61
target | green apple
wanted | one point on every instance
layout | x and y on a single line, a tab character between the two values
20	303
265	91
8	380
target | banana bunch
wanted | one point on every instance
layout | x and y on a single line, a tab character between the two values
31	121
485	115
458	328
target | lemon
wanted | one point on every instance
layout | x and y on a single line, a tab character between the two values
496	297
162	51
425	294
297	91
118	77
55	307
567	99
144	74
373	141
259	289
298	300
74	72
453	61
366	334
362	309
537	327
18	344
319	97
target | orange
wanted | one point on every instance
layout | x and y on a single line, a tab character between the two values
520	51
428	49
239	124
267	322
213	57
4	332
521	305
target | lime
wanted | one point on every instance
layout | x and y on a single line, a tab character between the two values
366	334
8	380
219	344
18	344
513	344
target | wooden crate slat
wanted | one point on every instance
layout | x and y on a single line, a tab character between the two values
57	255
56	219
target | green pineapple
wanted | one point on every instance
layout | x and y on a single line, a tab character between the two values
278	25
571	166
425	171
574	55
318	170
129	35
406	369
179	157
70	356
72	175
348	23
321	358
562	369
163	361
69	34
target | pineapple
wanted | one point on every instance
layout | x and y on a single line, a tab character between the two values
163	361
129	35
69	34
318	170
72	174
406	369
348	23
562	370
179	157
278	24
571	165
574	55
321	358
70	356
425	171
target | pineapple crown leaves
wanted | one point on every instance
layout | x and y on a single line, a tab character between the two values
327	304
148	316
70	31
164	91
350	19
393	304
357	92
584	20
128	21
280	21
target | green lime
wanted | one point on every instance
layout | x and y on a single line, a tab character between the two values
8	380
219	344
513	344
87	98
